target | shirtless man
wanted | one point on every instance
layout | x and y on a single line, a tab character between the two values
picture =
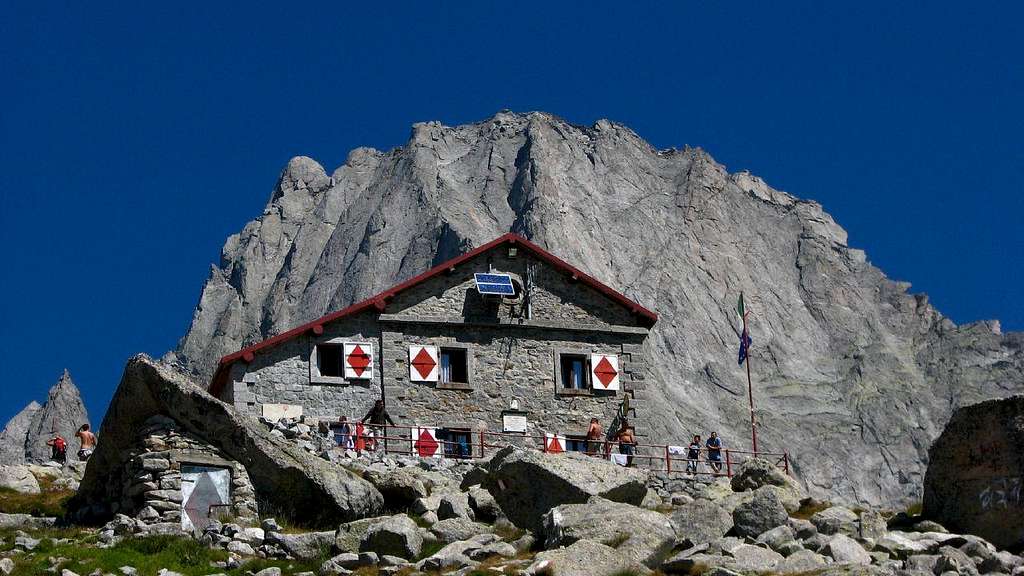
627	442
88	442
595	436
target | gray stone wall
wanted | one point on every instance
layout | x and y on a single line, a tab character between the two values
510	356
555	296
151	479
282	375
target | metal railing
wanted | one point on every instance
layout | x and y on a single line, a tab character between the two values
399	439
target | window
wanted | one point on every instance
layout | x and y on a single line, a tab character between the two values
574	369
454	366
329	360
458	442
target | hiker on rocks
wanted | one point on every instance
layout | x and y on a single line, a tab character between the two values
343	434
714	446
627	442
58	449
693	455
379	419
87	442
595	436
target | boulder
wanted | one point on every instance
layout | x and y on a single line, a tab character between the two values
457	554
349	535
455	529
748	558
399	487
687	562
526	483
762	513
395	536
799	562
836	520
19	478
758	472
484	506
871	526
582	558
846	550
701	521
24	521
305	545
642	536
454	505
777	537
14	436
975	473
953	560
284	476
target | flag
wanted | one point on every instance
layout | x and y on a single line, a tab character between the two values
745	342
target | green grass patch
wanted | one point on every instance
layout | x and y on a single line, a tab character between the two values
915	509
429	549
147	554
49	502
810	508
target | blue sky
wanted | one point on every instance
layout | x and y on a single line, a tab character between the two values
135	139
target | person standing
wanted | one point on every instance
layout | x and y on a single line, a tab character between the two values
87	442
714	446
58	449
627	442
693	455
595	435
343	434
379	419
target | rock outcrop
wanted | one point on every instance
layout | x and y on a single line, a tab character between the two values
526	483
286	478
14	436
855	376
975	480
24	438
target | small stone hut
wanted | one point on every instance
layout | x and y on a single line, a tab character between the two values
506	338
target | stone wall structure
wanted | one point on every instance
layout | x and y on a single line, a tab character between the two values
153	479
512	347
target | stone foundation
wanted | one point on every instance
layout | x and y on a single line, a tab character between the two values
152	477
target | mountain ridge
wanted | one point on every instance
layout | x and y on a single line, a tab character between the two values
853	374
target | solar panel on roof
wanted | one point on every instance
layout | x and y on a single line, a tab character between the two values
494	284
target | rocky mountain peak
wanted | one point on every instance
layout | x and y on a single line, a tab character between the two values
854	375
24	437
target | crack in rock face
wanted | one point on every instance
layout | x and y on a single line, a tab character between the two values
853	375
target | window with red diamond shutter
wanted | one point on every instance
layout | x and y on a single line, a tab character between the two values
423	366
358	360
604	371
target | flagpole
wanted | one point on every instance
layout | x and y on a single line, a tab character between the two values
750	391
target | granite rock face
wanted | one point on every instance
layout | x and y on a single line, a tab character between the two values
975	480
23	439
854	375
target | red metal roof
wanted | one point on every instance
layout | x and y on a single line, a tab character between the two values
378	301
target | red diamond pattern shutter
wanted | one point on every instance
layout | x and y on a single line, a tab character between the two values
604	371
358	360
554	444
425	444
423	364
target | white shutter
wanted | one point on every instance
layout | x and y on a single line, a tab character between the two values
423	365
358	360
553	443
425	444
604	371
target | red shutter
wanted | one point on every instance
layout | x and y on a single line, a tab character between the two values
423	363
358	360
425	444
604	371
